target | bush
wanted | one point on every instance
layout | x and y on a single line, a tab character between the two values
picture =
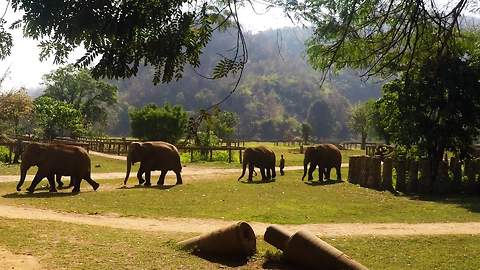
167	123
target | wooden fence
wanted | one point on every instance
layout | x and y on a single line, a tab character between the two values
414	176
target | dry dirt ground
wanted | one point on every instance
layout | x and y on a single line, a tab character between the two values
12	261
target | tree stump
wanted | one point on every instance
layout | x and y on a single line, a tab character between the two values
400	168
442	184
412	181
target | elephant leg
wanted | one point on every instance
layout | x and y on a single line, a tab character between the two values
251	169
179	178
139	175
38	177
274	174
77	181
92	182
161	179
321	173
339	173
311	169
269	175
262	171
148	174
58	178
51	182
327	173
72	183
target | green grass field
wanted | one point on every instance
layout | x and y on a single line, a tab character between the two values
288	200
69	246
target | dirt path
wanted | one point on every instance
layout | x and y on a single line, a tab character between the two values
10	261
192	225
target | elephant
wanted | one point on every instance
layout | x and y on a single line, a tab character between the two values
56	160
326	157
262	158
153	156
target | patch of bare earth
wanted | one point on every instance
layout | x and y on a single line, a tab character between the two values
193	225
11	261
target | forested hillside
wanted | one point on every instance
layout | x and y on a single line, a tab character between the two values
277	93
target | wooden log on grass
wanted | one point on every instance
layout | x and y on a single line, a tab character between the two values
363	171
425	176
374	173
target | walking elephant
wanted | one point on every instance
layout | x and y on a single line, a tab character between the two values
326	157
154	156
56	160
262	158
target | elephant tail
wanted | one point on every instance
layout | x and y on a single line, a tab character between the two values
244	168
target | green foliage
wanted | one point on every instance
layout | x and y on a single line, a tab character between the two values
359	120
77	87
56	118
121	36
167	123
306	132
4	154
438	110
15	110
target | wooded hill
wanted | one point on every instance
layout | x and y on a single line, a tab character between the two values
278	90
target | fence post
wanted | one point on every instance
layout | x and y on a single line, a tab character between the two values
240	155
353	168
374	173
400	167
412	182
425	176
470	173
191	155
456	169
387	174
442	183
230	155
363	175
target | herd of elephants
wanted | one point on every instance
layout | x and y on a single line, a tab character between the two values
57	160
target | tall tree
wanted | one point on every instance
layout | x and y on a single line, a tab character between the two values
86	94
439	109
56	118
15	106
321	119
359	120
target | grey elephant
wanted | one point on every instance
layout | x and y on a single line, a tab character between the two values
262	158
56	159
154	156
326	157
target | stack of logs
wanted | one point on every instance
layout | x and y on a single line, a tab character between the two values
414	176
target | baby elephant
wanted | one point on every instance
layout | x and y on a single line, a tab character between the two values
262	158
56	159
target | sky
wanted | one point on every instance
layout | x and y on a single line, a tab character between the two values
26	70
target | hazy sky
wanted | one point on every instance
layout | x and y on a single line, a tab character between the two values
26	70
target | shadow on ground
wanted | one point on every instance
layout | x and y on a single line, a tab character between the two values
468	201
45	194
323	183
148	187
258	182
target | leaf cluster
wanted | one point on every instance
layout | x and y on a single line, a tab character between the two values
167	123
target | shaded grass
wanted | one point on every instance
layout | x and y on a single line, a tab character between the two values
69	246
288	200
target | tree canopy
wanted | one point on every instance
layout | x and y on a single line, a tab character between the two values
16	106
77	87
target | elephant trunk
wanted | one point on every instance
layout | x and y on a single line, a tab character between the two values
23	174
244	168
305	164
129	167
